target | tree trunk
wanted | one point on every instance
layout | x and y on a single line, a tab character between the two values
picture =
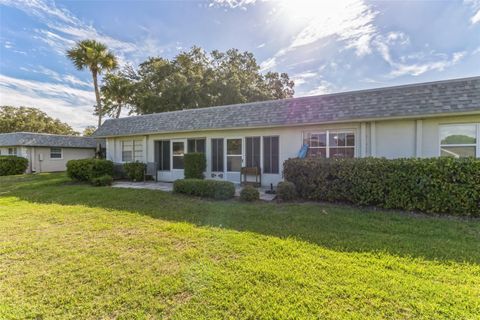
97	96
119	110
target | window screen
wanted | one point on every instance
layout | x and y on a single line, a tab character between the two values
270	154
217	155
252	152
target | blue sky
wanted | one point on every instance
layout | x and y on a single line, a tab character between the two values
325	46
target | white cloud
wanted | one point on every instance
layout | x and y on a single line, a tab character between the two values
301	78
417	69
475	5
242	4
347	21
324	88
73	106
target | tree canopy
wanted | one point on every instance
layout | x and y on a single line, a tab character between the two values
27	119
195	79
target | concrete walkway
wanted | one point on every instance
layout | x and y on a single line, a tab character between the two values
168	187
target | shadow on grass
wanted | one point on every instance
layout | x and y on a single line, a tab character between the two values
339	228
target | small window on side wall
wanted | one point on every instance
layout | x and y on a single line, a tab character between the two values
12	151
459	140
55	153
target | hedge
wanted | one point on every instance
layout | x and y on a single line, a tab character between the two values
87	169
434	185
219	190
10	165
249	193
195	165
135	170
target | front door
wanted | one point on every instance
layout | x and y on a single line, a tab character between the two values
234	155
163	160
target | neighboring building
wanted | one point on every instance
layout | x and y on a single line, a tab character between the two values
419	120
46	152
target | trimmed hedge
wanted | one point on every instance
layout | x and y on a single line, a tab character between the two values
135	170
87	169
286	191
249	193
10	165
102	181
435	185
195	165
219	190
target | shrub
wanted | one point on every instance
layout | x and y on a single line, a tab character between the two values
286	191
87	169
249	193
10	165
105	180
135	170
195	165
219	190
435	185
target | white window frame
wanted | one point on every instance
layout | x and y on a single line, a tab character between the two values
185	146
241	155
327	133
477	136
134	150
61	153
14	153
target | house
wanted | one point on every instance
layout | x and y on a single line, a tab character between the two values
46	152
418	120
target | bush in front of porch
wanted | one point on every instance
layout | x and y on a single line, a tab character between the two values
195	165
218	190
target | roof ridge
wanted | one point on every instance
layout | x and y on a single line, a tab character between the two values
379	89
49	134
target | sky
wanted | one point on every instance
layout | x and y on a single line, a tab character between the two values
325	46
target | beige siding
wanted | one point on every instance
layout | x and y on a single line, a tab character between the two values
51	165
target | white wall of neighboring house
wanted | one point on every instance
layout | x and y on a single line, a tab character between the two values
388	138
40	160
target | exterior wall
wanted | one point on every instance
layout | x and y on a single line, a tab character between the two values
52	165
389	138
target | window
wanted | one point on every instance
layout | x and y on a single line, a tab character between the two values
132	150
127	151
12	151
459	140
196	145
56	153
217	155
162	155
178	149
331	144
234	155
252	151
270	154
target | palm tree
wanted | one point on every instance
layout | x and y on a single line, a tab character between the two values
97	58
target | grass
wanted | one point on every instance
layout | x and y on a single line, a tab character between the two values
73	251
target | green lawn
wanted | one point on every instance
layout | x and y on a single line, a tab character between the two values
73	251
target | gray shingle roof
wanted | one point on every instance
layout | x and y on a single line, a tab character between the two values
46	140
425	99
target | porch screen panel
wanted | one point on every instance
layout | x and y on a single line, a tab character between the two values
252	151
217	155
178	149
271	154
196	145
162	156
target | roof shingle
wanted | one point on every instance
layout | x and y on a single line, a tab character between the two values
425	99
46	140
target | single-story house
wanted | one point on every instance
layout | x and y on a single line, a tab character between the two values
419	120
47	152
